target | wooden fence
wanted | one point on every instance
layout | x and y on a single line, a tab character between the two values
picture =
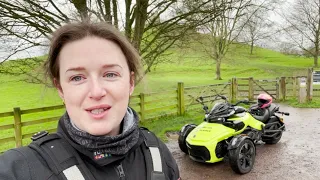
16	130
280	88
11	131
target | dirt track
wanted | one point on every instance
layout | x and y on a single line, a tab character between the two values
295	157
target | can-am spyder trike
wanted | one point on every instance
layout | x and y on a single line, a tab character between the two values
233	131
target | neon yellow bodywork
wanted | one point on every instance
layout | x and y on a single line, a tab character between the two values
209	134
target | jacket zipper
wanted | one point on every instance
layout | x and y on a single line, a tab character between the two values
120	172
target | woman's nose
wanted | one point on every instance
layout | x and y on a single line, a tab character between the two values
97	90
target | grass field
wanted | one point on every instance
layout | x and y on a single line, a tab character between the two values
189	65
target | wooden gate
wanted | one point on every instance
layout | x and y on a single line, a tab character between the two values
269	86
207	92
250	88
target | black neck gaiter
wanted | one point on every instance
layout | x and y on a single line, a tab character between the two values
116	145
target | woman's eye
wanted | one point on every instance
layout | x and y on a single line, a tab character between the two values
110	75
76	78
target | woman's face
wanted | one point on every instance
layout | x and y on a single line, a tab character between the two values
95	84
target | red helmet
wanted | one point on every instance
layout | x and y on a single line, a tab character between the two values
264	100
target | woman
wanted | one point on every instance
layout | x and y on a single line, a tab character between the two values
94	69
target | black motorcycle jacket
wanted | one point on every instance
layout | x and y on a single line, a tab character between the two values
26	164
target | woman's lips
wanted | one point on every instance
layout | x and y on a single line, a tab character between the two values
98	112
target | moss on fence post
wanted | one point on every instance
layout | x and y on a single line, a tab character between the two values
234	87
283	88
142	113
251	90
277	89
180	91
17	126
309	84
295	86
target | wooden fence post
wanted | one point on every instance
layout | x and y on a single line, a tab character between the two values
251	90
142	113
181	105
234	86
283	88
17	126
277	89
295	85
309	84
302	91
230	89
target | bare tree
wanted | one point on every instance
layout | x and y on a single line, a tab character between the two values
223	30
32	21
257	27
288	48
303	26
27	23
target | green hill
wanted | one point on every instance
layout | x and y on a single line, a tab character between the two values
190	65
193	66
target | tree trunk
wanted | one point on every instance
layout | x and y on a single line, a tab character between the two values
218	72
108	16
141	17
128	29
115	13
316	53
251	47
81	6
315	60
